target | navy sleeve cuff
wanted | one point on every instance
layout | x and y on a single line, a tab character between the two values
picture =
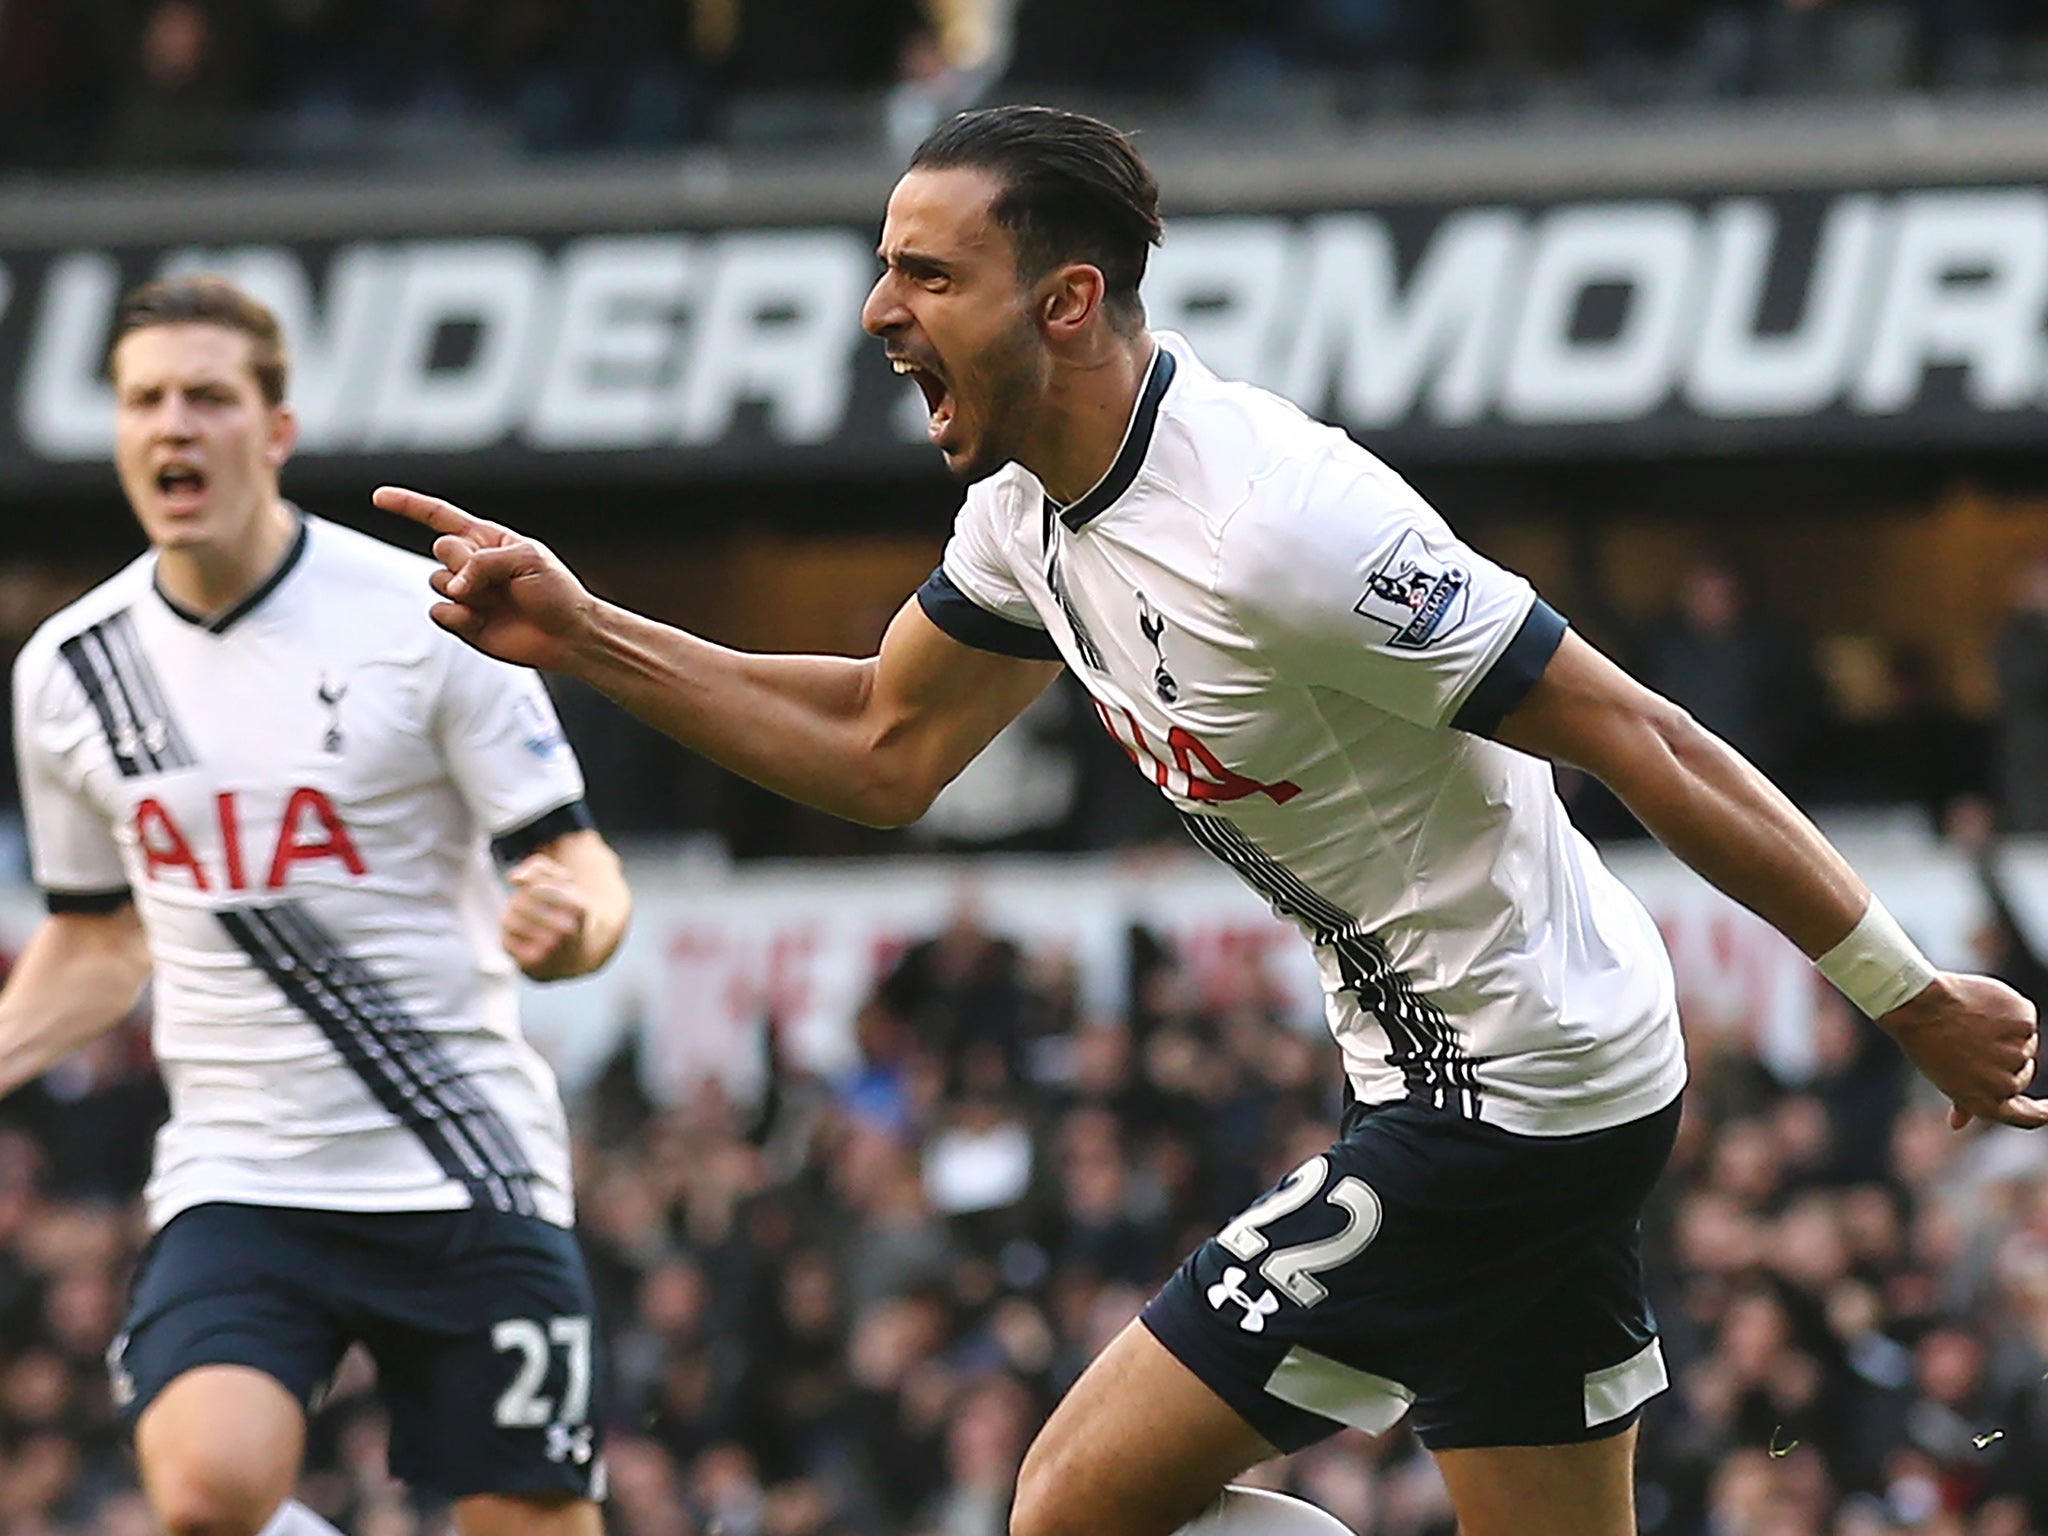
971	624
1513	673
92	903
510	847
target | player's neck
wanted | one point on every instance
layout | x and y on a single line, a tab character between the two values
209	579
1087	414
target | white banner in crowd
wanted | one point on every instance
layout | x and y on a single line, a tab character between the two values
716	951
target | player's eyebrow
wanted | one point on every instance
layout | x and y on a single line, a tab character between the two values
915	264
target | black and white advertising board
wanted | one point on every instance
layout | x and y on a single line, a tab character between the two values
1717	323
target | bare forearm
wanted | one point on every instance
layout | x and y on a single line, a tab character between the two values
872	741
68	987
1971	1036
793	724
1704	802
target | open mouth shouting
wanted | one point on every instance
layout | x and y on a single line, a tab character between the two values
938	397
182	485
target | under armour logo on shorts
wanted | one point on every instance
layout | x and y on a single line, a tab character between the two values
1231	1288
569	1444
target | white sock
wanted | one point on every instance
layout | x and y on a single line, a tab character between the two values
294	1519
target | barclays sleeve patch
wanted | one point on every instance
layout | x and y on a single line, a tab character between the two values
1418	597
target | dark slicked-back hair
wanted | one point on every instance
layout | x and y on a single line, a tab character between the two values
1074	189
208	299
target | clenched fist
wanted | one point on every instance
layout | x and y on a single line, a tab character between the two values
543	924
1975	1039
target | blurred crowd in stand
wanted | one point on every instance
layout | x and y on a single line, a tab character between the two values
1886	729
157	83
841	1311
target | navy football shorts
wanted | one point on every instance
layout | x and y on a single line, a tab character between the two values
481	1324
1488	1283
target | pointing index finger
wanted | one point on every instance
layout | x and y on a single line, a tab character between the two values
441	516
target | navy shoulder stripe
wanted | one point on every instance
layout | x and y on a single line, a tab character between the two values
115	674
91	903
510	847
971	624
1513	673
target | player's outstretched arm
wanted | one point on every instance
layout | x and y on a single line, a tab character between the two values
1973	1037
872	740
76	979
568	908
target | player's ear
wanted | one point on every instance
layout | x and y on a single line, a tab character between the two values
284	435
1070	297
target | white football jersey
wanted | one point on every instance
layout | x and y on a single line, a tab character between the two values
1294	647
301	797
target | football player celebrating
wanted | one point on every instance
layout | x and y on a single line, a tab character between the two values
251	769
1357	713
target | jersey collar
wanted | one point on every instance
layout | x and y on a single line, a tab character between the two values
220	622
1130	458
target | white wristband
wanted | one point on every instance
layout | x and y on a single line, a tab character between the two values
1877	966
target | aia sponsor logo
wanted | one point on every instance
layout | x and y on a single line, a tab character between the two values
1187	768
309	831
